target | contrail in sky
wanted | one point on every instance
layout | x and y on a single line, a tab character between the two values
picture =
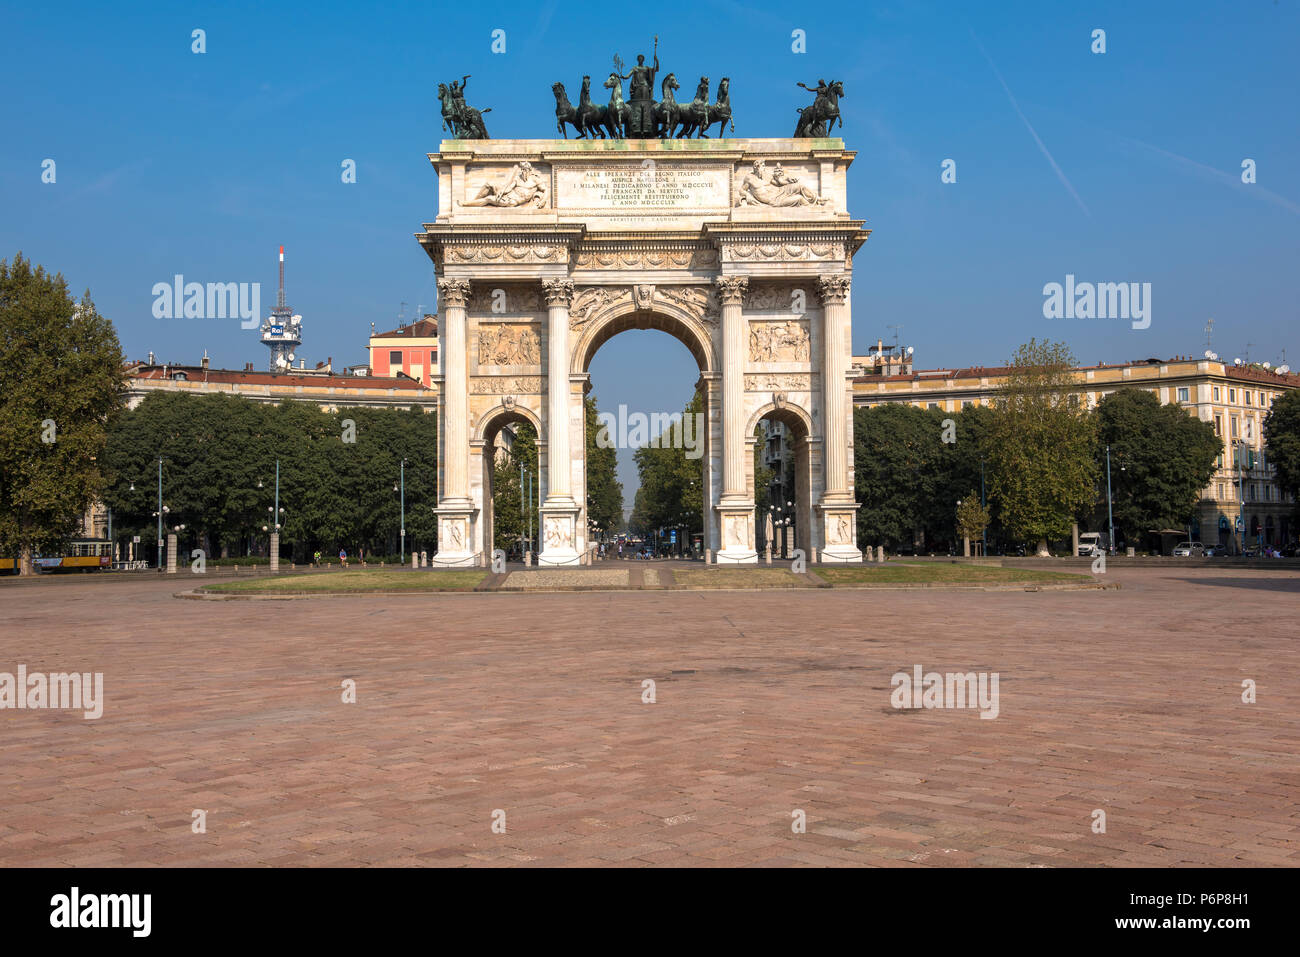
1060	174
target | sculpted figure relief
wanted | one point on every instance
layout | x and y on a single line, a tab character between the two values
524	186
780	190
778	342
505	345
557	533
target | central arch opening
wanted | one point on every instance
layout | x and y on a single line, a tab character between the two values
645	371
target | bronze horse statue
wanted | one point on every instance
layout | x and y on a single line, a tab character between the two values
465	122
813	119
592	116
668	111
720	112
619	111
695	115
566	112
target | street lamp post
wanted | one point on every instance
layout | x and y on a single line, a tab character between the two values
1110	514
1241	496
984	532
159	513
403	516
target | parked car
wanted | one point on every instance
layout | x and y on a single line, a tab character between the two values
1216	551
1189	550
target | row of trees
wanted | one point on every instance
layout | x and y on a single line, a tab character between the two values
1036	457
219	453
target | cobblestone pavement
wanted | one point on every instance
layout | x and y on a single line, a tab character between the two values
765	704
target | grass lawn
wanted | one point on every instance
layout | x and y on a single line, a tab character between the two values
905	573
353	582
742	576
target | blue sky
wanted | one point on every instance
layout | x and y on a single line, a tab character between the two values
1122	166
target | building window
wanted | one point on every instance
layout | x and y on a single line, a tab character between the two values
1183	394
1217	393
966	403
1246	395
395	357
1218	425
933	405
1235	425
1232	395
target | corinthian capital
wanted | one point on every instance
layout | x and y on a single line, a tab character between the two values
731	289
558	292
833	289
453	292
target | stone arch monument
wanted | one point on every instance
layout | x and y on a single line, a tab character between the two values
740	248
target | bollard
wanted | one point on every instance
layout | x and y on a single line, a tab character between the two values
415	560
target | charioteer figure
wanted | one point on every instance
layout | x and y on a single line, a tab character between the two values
641	115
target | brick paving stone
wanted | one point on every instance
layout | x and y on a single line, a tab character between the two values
766	702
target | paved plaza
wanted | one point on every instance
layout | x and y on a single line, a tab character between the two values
766	703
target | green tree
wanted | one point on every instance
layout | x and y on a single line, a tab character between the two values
972	517
672	482
1282	443
1043	445
895	465
1161	460
604	491
61	384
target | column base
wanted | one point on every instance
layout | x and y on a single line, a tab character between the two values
560	539
839	532
736	521
454	547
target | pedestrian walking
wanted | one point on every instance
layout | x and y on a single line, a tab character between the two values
343	557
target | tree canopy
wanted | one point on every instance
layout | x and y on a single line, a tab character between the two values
1043	442
61	384
1161	460
335	493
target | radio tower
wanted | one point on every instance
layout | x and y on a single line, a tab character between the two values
282	330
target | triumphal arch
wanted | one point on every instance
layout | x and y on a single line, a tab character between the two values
740	248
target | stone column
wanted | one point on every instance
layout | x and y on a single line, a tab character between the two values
275	552
455	509
734	355
559	513
171	554
736	507
838	508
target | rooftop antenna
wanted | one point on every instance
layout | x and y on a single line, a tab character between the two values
1248	345
1209	335
895	328
401	315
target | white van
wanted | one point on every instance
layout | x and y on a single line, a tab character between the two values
1089	544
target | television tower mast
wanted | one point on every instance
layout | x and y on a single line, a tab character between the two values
282	330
